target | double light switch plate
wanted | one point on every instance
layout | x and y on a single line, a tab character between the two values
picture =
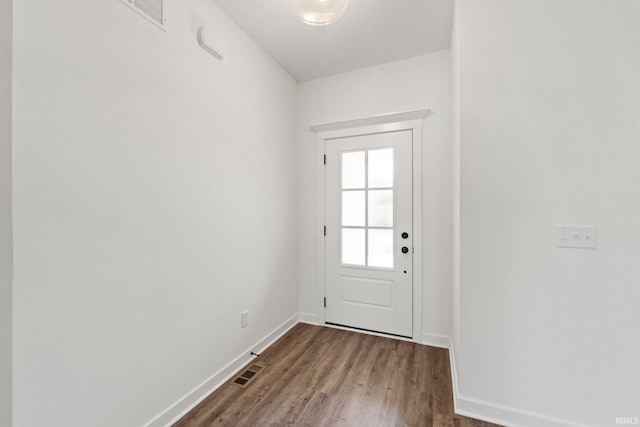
577	236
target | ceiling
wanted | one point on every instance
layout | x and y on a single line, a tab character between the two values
372	32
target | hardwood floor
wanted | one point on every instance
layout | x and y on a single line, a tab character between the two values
316	376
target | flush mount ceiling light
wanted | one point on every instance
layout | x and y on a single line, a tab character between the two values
319	12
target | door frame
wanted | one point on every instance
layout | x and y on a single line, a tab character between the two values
410	120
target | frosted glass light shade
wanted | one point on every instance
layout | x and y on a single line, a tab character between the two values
319	12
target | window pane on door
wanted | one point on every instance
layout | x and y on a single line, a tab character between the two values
381	248
353	167
353	249
381	168
368	201
381	208
353	209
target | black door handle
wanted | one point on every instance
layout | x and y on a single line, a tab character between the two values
405	235
404	249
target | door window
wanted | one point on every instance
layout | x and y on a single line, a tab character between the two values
367	208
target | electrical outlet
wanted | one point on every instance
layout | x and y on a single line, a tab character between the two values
577	236
244	317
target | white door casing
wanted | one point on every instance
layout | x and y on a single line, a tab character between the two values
411	121
368	241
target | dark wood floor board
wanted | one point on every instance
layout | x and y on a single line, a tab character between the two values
305	371
399	393
438	382
315	376
362	388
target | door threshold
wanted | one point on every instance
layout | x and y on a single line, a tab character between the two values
368	331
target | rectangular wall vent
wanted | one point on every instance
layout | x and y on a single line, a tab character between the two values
153	10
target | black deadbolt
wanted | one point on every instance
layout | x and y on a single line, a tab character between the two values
404	249
405	235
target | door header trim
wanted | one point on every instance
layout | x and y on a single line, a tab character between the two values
406	120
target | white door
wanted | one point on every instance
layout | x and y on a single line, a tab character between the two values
369	235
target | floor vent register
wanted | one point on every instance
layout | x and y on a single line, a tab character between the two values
247	375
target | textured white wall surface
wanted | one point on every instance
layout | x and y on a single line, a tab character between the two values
6	251
407	85
549	131
155	199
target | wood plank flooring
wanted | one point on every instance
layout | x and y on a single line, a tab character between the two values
317	376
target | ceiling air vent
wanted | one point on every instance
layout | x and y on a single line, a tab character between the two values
153	10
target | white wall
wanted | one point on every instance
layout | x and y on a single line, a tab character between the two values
6	263
549	131
154	198
411	84
455	214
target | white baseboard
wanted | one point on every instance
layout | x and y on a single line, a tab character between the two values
505	416
497	414
197	395
311	319
434	340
